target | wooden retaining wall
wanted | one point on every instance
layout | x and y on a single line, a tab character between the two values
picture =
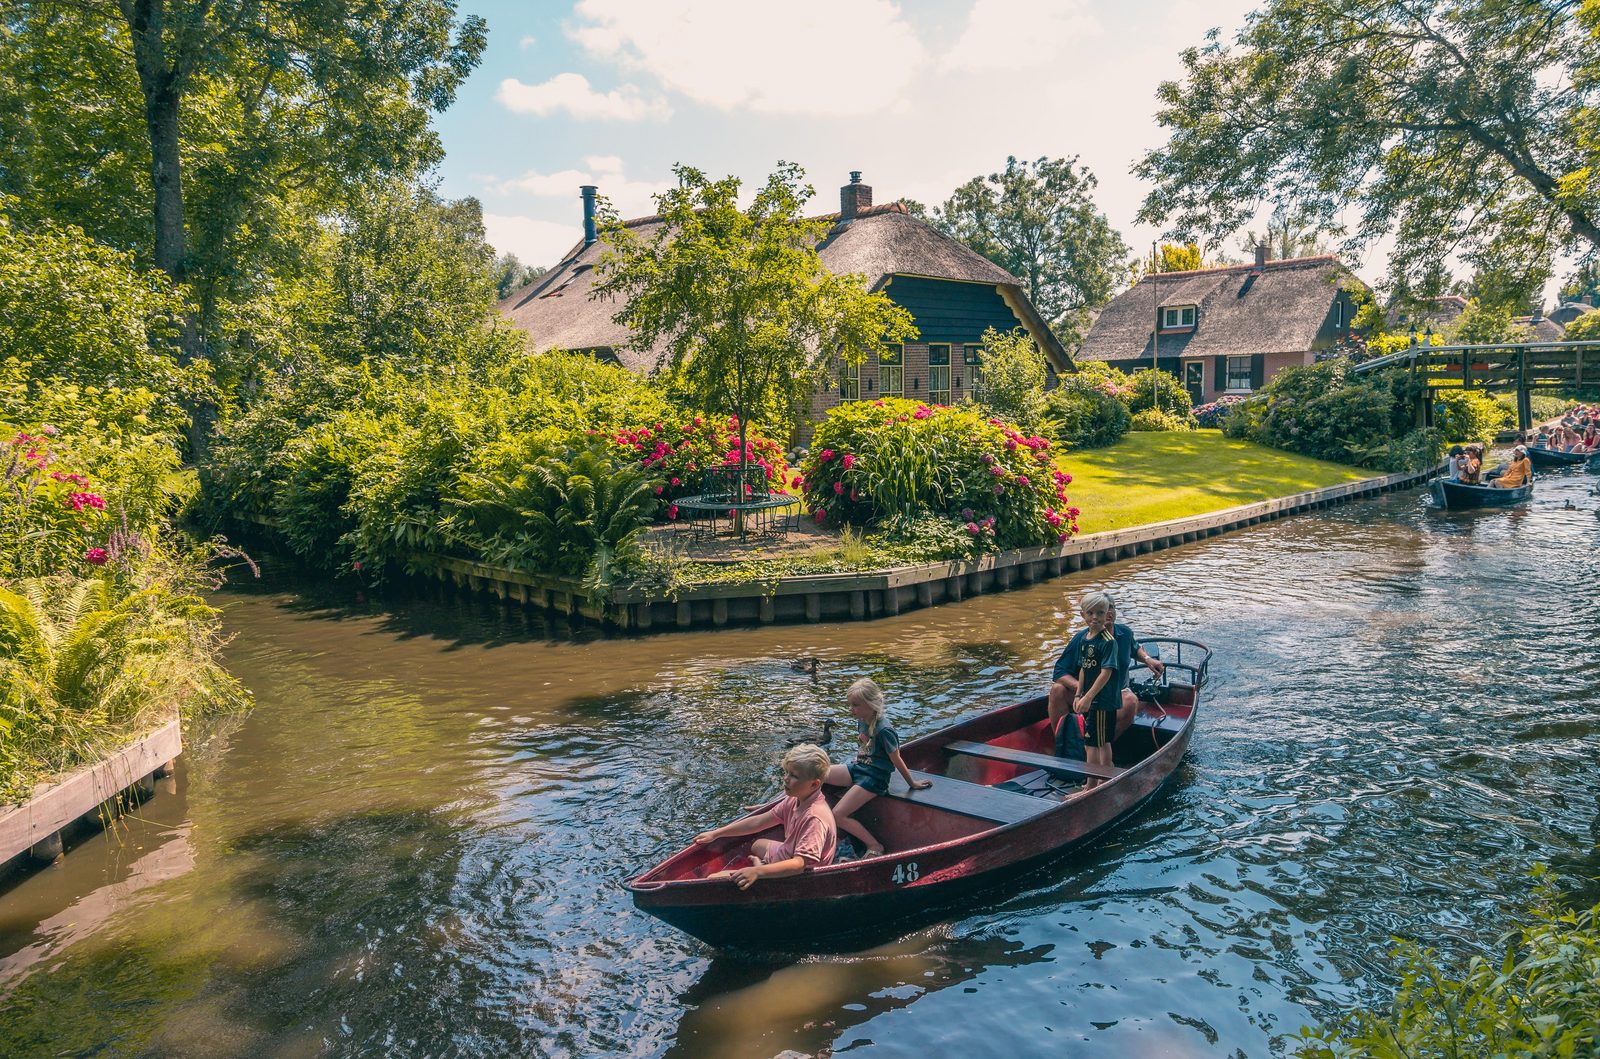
859	596
36	826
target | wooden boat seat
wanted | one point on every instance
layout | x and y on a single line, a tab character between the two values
1048	762
1155	720
970	799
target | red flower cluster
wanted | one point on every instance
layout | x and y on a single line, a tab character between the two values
82	501
680	452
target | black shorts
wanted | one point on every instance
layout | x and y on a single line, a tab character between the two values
866	779
1102	727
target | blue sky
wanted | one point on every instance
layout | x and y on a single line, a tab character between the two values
919	96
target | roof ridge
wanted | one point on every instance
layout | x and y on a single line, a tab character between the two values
1249	266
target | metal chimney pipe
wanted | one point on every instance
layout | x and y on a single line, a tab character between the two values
589	233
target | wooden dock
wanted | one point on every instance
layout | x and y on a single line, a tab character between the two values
879	593
37	827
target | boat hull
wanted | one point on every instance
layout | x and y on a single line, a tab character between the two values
851	904
1551	460
1453	496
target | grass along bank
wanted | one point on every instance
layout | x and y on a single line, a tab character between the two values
1152	477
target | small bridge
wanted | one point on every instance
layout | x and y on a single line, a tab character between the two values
1519	367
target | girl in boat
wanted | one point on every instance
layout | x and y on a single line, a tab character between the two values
809	836
878	750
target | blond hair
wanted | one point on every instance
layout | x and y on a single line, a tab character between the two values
866	689
808	761
1091	600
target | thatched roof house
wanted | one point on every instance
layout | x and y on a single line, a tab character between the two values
1229	329
952	293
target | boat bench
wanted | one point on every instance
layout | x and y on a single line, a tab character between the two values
970	799
1056	766
1165	724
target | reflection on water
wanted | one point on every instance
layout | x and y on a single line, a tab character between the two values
413	846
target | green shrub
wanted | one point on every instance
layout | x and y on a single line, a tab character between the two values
1084	412
1542	998
1317	410
1153	419
1013	376
872	461
1467	415
1142	394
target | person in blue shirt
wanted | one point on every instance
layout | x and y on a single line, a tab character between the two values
1065	683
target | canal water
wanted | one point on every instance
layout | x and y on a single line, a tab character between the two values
413	845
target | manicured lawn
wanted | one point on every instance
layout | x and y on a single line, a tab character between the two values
1152	477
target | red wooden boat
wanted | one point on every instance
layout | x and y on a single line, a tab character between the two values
994	811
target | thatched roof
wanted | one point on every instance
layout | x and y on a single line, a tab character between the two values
1280	307
879	242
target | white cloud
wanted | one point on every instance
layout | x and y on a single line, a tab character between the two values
571	93
1054	29
632	198
527	42
534	242
836	58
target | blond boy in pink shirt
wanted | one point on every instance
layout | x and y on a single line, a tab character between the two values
809	835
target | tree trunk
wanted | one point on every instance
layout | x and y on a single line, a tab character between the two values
161	83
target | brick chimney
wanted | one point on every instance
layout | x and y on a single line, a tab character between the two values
854	198
1261	256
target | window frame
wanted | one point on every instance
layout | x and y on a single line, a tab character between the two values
891	365
1230	377
849	381
1186	316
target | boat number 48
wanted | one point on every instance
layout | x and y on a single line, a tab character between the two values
905	873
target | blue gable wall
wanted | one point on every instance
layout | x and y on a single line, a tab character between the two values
951	312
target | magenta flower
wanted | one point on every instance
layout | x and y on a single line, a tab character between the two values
999	490
966	513
356	566
96	556
672	511
972	528
821	516
79	501
1022	479
849	461
676	482
838	488
854	498
827	454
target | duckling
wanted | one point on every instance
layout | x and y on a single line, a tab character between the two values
804	665
1569	505
826	737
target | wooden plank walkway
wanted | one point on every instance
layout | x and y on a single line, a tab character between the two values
36	824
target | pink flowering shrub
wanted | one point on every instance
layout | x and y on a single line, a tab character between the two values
873	462
678	449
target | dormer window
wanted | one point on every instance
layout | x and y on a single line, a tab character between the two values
1177	316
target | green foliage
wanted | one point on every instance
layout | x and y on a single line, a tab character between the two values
1436	124
1154	388
1585	328
1013	375
1483	323
1039	222
511	275
871	462
1467	415
85	663
1541	998
1085	411
1318	410
739	297
1154	419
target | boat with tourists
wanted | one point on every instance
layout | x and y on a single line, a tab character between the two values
1555	459
1451	495
1000	804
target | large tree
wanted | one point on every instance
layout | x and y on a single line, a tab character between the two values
1040	223
1467	127
747	313
184	130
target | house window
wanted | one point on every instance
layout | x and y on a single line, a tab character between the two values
1338	312
1177	316
972	356
939	373
1238	373
891	381
850	382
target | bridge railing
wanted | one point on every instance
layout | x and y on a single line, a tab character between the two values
1497	366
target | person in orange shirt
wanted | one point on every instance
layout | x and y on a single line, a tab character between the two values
1519	473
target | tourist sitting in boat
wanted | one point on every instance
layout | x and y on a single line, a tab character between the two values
809	835
1471	465
878	750
1542	439
1093	659
1064	688
1591	436
1452	465
1519	473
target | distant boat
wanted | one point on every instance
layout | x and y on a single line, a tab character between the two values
993	812
1554	459
1457	496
